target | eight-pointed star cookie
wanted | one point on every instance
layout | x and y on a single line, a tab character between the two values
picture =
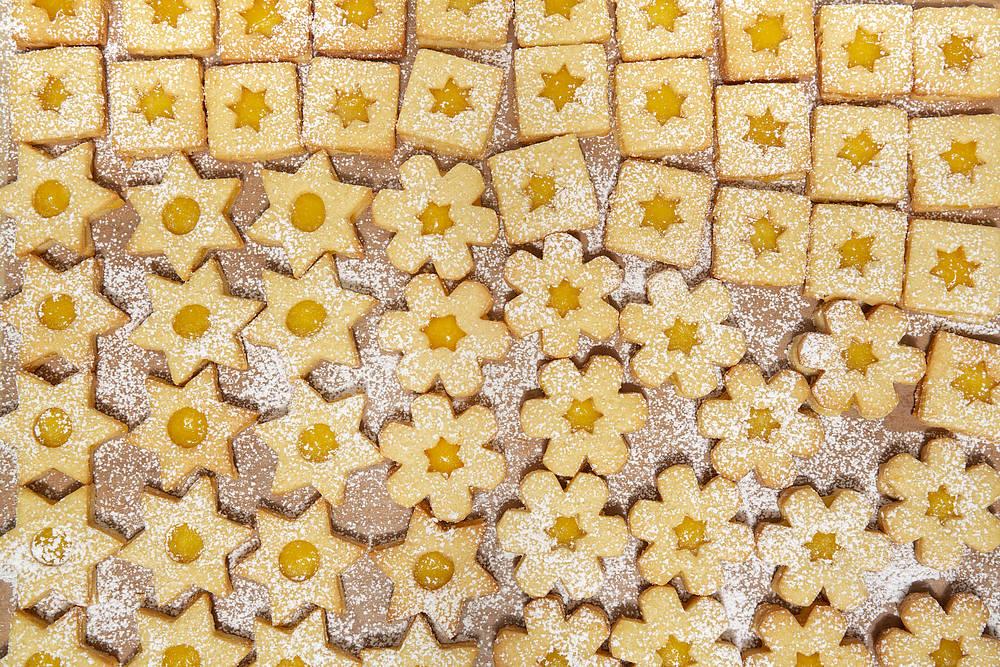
188	639
318	443
310	213
420	648
434	570
195	322
60	314
185	542
35	643
561	296
54	199
435	218
305	644
184	216
309	319
549	637
817	635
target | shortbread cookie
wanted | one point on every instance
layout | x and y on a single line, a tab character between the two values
190	428
651	29
60	314
546	23
318	443
562	535
443	336
310	319
56	427
195	322
54	199
185	542
306	644
299	562
770	39
34	642
760	425
561	296
419	648
658	213
53	548
184	216
943	506
40	23
167	28
583	416
442	457
310	213
691	530
360	28
816	636
857	358
933	636
959	390
954	54
434	571
680	334
822	544
450	104
435	218
264	30
552	638
955	162
463	24
190	637
674	634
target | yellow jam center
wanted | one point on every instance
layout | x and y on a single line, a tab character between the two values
250	109
565	530
560	87
181	655
317	443
660	213
663	13
682	336
811	660
56	8
292	662
433	570
156	103
864	50
443	332
562	8
299	560
941	504
184	544
975	383
53	428
541	190
435	219
948	654
554	659
962	158
954	268
664	103
53	94
43	659
822	546
191	321
464	6
766	131
564	298
764	235
167	11
582	415
359	12
690	534
50	547
305	318
351	107
443	458
761	423
859	356
57	311
959	52
856	252
308	212
180	215
50	198
262	17
451	99
675	653
767	33
187	427
860	149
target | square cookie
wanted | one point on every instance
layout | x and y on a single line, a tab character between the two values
463	24
955	53
360	28
561	90
663	107
252	30
955	162
959	390
41	23
167	27
650	29
856	252
767	39
553	22
760	237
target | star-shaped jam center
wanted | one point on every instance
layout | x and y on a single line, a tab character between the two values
975	383
865	49
660	213
765	131
954	268
560	87
663	13
250	109
860	149
960	52
961	157
52	94
262	17
767	33
561	8
359	12
156	103
352	106
541	190
167	11
856	252
55	8
764	235
451	99
664	103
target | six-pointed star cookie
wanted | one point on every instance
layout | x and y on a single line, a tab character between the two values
184	216
305	644
33	642
419	648
188	639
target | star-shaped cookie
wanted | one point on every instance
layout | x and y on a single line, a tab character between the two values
305	644
188	639
35	643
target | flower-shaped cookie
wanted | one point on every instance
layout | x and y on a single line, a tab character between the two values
442	457
816	639
551	638
310	213
300	562
35	643
305	644
310	318
690	530
56	427
760	425
936	637
435	218
674	634
434	570
583	415
318	443
195	322
190	428
188	639
680	335
60	314
943	505
561	534
561	295
184	216
185	542
444	336
822	544
857	358
53	548
419	648
54	199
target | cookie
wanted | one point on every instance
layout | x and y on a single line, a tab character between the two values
541	23
550	637
191	636
954	163
952	56
651	29
34	642
167	28
307	641
767	40
360	28
40	24
816	635
264	30
419	648
467	24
